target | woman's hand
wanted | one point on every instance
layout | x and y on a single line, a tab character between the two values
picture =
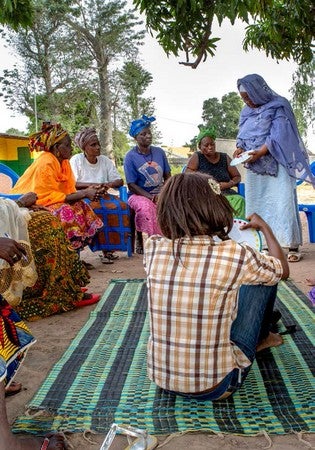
10	250
256	222
238	152
91	193
27	200
256	154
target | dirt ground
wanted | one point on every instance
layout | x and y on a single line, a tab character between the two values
55	333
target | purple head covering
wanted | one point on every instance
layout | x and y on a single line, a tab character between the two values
139	124
272	123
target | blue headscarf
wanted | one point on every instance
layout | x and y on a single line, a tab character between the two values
280	134
139	124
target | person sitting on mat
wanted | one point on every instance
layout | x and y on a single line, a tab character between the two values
210	301
16	340
90	168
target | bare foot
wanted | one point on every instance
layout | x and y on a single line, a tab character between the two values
272	340
310	281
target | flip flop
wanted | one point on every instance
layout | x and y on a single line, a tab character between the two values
59	438
111	255
106	260
88	299
143	441
147	443
294	256
13	388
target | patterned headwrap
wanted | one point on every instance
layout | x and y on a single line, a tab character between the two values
210	132
46	137
139	124
84	136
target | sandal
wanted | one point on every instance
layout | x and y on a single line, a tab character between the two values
54	438
143	441
294	256
106	260
110	255
88	299
13	388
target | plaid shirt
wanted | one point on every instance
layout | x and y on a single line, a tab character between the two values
192	304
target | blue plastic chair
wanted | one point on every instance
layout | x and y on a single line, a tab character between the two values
8	177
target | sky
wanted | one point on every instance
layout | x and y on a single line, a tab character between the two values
180	91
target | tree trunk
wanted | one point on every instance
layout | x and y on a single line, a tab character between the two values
106	129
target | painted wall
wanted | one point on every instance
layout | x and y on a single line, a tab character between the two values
14	152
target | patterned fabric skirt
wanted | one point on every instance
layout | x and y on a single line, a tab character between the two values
61	274
15	339
79	222
145	214
115	216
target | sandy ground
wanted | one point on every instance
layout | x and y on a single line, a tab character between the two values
55	333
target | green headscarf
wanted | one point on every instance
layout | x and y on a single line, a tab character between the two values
210	132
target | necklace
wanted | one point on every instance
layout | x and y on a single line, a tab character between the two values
145	155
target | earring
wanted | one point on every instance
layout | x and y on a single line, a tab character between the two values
58	154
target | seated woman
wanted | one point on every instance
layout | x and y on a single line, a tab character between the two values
16	339
208	160
51	177
213	309
146	168
90	168
61	275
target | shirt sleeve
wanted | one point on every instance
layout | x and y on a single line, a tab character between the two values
260	268
74	163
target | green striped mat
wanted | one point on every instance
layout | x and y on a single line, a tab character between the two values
101	378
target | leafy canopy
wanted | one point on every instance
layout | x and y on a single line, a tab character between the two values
283	29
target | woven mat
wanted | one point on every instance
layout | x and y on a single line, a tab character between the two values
101	378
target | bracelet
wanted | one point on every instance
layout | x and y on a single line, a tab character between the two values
20	204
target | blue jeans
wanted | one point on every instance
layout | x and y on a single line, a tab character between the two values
252	323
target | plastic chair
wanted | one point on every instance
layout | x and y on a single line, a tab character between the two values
8	178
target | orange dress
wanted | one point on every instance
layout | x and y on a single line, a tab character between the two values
52	182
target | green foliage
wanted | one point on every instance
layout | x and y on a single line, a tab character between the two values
16	13
303	91
223	115
121	146
283	29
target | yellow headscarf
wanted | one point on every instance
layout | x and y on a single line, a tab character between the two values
46	137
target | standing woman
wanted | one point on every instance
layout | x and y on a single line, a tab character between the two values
90	168
268	131
51	178
146	169
208	160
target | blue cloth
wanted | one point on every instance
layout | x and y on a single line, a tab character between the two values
275	200
252	323
139	124
271	123
146	171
